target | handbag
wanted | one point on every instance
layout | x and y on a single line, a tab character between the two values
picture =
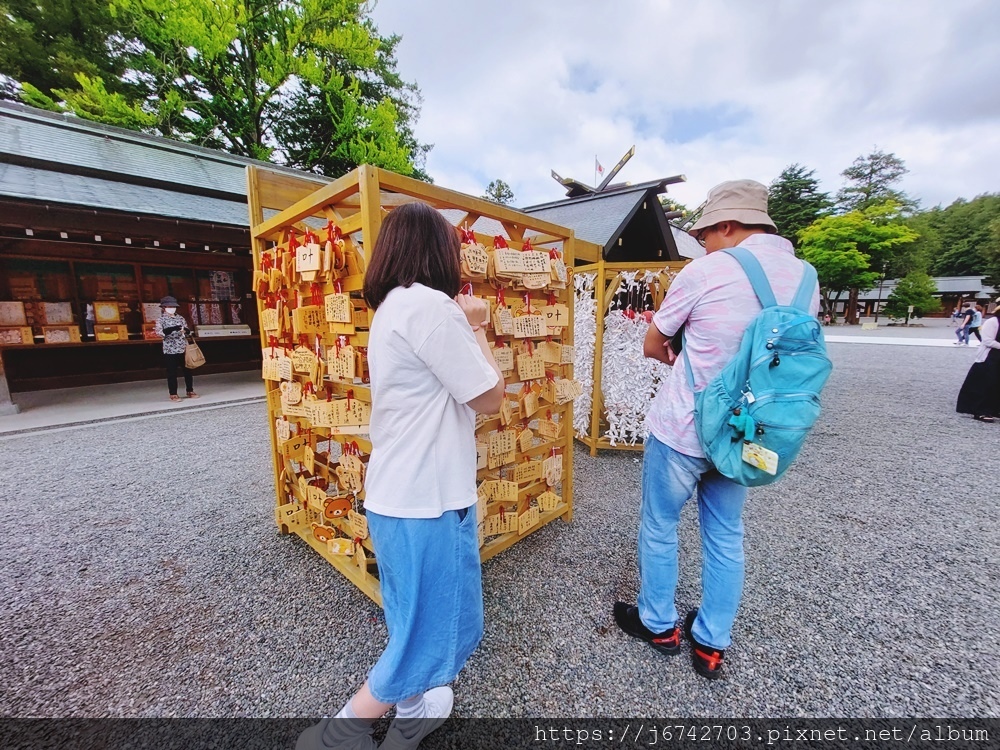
192	355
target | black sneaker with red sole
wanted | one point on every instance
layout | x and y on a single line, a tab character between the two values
627	618
707	661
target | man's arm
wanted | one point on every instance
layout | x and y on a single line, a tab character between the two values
657	346
680	299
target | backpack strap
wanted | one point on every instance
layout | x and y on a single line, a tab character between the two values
752	268
804	295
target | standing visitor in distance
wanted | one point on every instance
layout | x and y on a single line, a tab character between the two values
173	329
964	324
431	371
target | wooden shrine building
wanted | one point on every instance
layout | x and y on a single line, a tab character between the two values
103	221
626	221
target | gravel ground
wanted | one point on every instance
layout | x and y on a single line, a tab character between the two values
143	576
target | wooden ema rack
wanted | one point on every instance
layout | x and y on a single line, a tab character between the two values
607	279
310	303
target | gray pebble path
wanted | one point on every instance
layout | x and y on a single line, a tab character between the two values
143	576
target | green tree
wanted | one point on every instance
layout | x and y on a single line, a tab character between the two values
851	251
307	83
795	201
669	204
499	191
871	180
916	289
46	43
963	241
992	269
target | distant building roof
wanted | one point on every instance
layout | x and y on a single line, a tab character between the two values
47	156
967	286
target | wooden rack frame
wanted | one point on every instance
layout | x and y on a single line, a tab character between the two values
357	203
608	276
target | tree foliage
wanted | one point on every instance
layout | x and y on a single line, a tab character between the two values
670	204
851	251
871	180
958	240
307	83
795	201
916	289
46	43
499	191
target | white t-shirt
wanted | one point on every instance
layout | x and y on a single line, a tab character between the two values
425	365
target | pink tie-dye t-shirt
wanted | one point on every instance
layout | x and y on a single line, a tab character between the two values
714	298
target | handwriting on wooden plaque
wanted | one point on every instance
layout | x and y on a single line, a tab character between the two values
529	471
269	319
504	357
525	439
552	469
308	319
503	321
359	524
535	262
308	258
294	447
556	316
548	501
337	308
528	326
530	366
508	262
548	429
527	520
303	359
340	363
477	259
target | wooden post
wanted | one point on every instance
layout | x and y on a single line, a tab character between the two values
257	247
597	402
569	255
371	208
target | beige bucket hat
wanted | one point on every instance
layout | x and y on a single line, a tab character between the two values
744	201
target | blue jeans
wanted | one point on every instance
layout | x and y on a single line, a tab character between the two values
669	479
963	334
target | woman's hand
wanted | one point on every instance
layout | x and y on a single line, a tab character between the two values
476	310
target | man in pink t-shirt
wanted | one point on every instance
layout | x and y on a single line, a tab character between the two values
714	302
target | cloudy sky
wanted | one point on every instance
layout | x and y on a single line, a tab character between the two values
712	89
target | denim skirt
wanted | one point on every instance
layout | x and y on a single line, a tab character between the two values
432	595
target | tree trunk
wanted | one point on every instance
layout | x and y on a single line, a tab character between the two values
852	308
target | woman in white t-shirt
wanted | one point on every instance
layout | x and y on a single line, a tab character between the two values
431	370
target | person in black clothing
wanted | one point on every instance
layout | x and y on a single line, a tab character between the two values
173	329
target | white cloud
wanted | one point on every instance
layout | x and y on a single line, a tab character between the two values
714	89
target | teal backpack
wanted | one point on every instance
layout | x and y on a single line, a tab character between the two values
753	417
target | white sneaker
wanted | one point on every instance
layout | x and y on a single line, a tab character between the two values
406	732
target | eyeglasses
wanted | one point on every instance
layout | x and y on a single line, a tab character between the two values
700	236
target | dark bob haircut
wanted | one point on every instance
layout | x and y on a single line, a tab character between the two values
417	245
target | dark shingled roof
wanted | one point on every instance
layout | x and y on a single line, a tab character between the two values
595	218
59	158
604	217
